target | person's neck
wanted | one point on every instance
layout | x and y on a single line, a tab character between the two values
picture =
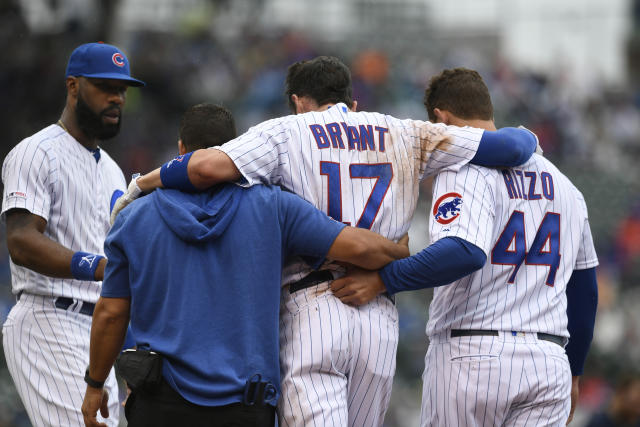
325	106
476	123
69	123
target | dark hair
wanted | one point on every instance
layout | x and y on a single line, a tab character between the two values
325	79
206	125
460	91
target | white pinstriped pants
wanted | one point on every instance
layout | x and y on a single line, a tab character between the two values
47	352
495	381
337	362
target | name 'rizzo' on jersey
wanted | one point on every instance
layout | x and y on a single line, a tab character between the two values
515	179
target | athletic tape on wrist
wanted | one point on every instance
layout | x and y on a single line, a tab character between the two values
174	174
84	265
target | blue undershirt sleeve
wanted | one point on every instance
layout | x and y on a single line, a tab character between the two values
441	263
582	302
505	147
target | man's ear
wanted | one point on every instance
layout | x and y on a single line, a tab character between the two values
297	102
181	148
354	106
442	116
73	85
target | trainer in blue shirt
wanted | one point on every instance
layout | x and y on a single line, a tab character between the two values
198	276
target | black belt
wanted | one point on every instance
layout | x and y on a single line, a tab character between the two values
316	277
556	339
85	307
311	279
64	303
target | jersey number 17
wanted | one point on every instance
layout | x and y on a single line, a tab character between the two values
381	172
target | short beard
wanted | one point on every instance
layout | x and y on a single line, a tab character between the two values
91	124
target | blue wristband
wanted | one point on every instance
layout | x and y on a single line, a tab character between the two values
173	174
84	265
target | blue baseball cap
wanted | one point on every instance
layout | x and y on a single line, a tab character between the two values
102	61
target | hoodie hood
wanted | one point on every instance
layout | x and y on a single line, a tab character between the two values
198	217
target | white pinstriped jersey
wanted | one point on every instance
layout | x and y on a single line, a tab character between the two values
52	175
361	168
532	224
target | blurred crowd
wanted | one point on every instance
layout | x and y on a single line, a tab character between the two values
593	137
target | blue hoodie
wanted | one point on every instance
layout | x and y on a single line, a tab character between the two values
203	273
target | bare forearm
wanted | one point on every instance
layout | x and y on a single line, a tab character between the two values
397	250
108	332
31	249
150	181
366	249
377	258
37	252
210	167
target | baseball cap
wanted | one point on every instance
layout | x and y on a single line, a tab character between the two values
100	60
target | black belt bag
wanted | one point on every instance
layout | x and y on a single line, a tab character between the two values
141	369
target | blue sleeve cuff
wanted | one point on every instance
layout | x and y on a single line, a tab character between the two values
582	302
505	147
84	265
441	263
173	174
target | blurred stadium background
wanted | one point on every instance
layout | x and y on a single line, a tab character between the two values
569	70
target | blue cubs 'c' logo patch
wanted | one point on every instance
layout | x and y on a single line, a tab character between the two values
447	208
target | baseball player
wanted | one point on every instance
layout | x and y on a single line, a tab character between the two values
59	186
497	336
363	169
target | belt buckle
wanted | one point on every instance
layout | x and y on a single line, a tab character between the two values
518	334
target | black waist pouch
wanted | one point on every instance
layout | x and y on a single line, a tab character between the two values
141	369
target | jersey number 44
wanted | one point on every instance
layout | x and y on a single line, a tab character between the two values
510	249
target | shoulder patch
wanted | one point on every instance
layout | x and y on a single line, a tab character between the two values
447	208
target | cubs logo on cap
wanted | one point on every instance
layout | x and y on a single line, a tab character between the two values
102	61
118	59
447	208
